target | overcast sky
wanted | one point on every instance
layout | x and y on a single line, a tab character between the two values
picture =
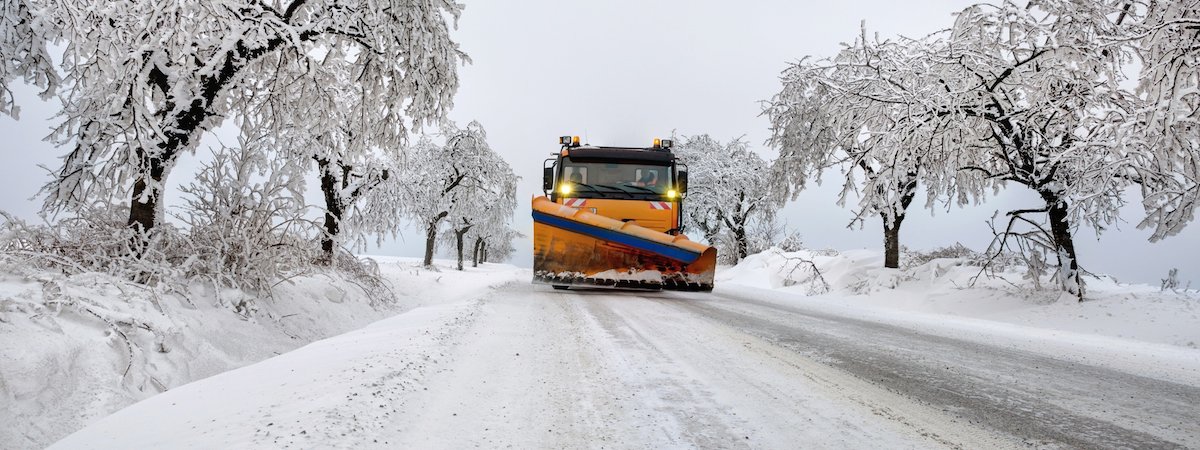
622	72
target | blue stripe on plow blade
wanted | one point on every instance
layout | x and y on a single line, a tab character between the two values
669	251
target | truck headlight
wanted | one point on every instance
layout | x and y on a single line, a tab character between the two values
564	189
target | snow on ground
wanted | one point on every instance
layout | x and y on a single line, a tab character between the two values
524	367
341	390
75	349
944	287
1129	327
470	363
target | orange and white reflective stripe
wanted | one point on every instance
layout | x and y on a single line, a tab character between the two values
660	205
574	202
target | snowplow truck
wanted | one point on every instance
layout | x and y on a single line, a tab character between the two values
612	217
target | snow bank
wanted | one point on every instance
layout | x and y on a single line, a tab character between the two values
342	390
948	286
75	349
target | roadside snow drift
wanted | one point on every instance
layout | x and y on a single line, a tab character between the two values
340	390
956	287
75	349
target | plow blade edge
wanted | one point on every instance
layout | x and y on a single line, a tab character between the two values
572	247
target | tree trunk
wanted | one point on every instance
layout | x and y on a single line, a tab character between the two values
891	231
143	215
458	243
1060	230
333	211
475	252
743	247
891	242
431	238
738	225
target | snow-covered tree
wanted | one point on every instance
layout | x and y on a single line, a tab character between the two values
1040	86
244	213
491	229
1024	94
861	113
497	192
1165	37
352	166
727	192
23	37
493	196
493	244
458	185
1029	97
350	208
700	207
145	80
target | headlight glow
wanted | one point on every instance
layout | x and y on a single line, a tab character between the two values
565	189
672	194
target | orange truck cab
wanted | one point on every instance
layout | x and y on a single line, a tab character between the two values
644	186
611	218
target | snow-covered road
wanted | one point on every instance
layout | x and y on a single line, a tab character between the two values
552	369
1027	397
529	367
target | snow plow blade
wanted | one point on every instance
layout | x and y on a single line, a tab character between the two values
572	247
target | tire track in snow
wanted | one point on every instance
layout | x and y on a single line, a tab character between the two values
598	369
677	410
708	385
1040	400
526	375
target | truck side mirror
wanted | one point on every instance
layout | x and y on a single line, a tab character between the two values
682	181
547	178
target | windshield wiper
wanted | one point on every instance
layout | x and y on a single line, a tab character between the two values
615	189
652	191
596	187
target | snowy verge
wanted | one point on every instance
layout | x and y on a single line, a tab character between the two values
1130	327
76	348
345	389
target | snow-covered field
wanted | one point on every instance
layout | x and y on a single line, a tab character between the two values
481	358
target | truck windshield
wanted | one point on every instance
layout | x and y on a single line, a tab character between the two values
607	178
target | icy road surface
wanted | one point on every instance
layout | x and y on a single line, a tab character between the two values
530	367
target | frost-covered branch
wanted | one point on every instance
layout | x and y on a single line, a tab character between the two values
728	194
146	80
23	54
866	112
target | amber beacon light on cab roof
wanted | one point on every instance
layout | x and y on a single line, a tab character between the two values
612	217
